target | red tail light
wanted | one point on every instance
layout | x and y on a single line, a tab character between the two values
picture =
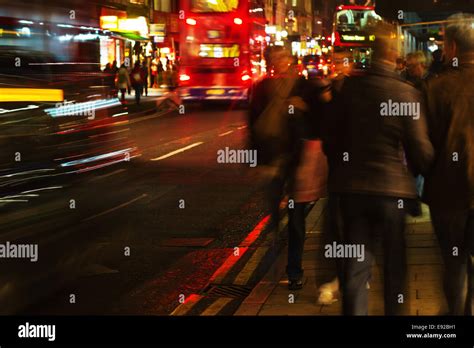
184	77
238	21
191	21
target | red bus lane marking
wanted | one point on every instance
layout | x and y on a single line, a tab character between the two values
253	236
224	269
242	249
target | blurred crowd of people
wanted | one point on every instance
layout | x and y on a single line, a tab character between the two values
318	138
141	77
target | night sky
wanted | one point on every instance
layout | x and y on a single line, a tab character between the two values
426	9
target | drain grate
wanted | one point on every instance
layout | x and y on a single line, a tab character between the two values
222	290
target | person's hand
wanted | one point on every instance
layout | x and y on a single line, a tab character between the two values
298	103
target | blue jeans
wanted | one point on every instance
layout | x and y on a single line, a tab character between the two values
296	237
420	183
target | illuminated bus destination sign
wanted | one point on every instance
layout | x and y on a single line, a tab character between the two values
219	51
357	38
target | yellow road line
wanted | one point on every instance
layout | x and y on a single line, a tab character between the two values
250	267
185	307
217	306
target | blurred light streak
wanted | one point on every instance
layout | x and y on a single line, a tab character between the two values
25	173
29	107
120	114
96	158
44	189
31	95
82	109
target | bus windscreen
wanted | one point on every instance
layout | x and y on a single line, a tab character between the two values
356	20
207	6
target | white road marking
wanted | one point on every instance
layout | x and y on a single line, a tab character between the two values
107	175
217	306
115	208
177	151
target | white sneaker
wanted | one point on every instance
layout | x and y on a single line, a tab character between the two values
327	292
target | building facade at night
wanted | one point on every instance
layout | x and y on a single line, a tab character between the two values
164	28
79	31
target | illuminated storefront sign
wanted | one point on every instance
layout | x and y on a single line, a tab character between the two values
134	24
114	23
157	29
109	22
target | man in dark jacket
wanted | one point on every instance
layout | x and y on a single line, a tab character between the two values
279	121
377	121
449	188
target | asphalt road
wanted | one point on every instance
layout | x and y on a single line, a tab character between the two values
141	234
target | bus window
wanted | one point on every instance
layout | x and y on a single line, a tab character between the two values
350	19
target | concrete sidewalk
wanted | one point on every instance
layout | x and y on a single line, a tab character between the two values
272	297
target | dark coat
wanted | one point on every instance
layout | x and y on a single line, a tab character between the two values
450	107
367	151
137	77
286	144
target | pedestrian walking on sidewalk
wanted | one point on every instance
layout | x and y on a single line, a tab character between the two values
160	72
449	187
332	226
308	182
368	177
417	74
138	80
154	73
278	108
109	79
145	77
123	81
114	68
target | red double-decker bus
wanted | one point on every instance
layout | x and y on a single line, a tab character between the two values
353	33
221	52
